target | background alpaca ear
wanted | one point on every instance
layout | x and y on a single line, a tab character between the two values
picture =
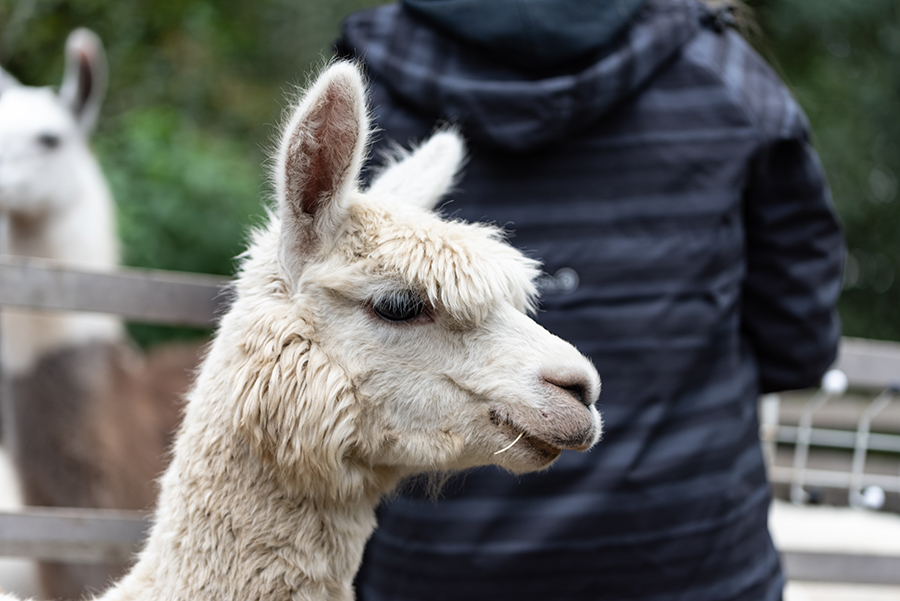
7	81
319	161
426	174
84	82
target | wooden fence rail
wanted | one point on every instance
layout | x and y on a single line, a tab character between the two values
79	535
145	295
870	364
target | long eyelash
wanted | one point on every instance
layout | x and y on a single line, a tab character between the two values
399	306
397	302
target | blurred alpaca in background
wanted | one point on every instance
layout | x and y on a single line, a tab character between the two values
89	416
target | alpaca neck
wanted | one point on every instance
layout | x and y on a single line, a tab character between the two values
81	233
227	527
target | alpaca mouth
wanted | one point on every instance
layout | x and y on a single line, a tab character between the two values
539	445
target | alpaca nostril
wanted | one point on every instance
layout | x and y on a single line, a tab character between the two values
577	390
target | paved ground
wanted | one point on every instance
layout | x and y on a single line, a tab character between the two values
834	530
814	591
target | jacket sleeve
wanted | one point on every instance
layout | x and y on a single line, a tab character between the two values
795	252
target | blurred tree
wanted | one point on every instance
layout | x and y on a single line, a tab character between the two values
842	60
196	87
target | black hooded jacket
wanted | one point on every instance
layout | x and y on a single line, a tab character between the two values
663	174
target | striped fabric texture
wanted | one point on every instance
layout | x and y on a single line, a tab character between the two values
691	249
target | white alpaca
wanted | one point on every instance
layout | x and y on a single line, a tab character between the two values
368	340
88	418
54	194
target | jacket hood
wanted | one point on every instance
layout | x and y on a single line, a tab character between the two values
524	103
530	33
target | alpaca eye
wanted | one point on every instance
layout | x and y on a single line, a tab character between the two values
401	306
49	141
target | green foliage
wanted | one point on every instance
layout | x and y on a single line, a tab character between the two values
185	195
842	60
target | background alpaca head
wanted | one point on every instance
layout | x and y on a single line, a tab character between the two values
375	337
44	157
54	196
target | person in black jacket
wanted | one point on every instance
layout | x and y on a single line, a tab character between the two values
664	175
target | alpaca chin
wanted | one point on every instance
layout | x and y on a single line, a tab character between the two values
535	438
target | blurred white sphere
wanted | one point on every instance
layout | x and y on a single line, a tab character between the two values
834	382
873	497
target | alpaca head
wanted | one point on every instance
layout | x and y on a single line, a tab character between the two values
378	338
44	155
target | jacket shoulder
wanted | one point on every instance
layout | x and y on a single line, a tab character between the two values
750	82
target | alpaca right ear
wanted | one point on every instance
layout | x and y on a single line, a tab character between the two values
423	176
319	162
84	82
7	81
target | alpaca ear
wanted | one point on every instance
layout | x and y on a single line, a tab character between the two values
84	82
423	176
7	81
319	161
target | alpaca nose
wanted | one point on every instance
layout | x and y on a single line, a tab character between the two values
576	387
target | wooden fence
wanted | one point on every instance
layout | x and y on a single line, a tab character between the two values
143	295
93	535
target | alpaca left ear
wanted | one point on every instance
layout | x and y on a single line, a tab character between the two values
319	161
84	82
423	176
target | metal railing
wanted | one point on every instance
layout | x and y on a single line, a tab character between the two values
863	364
